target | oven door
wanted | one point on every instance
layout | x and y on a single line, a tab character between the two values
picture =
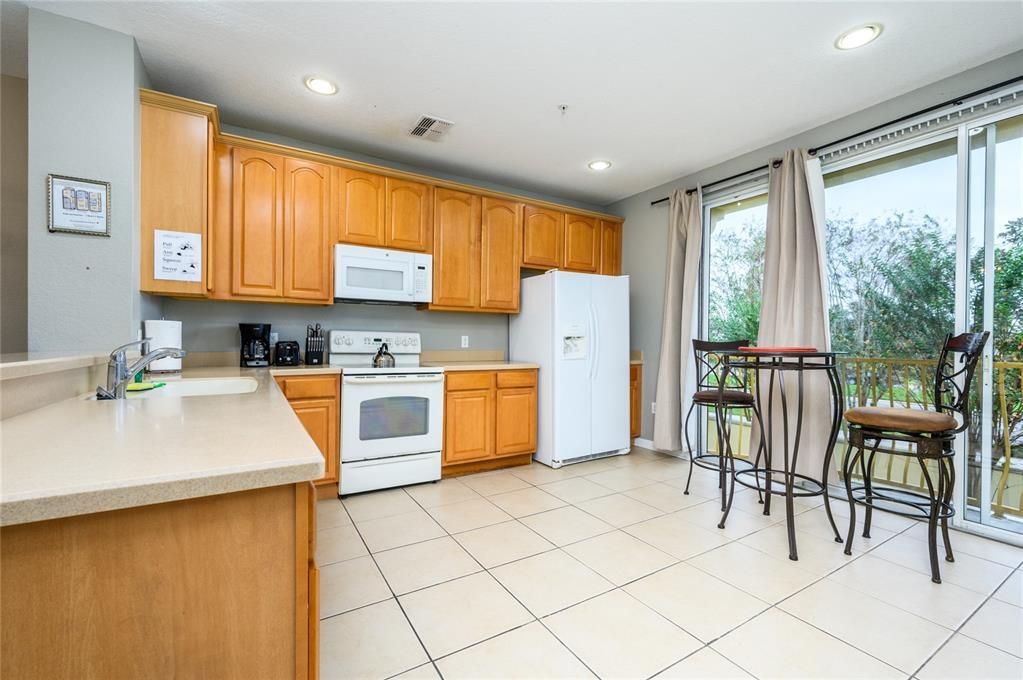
373	274
391	415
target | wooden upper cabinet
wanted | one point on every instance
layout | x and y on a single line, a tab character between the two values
610	248
500	254
173	188
409	215
456	249
361	200
307	252
582	243
257	217
542	236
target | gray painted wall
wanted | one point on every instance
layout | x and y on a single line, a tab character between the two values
646	228
82	290
13	234
212	326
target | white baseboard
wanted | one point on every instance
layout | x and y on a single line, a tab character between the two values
649	444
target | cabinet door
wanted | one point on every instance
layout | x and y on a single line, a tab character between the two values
542	236
307	252
456	249
468	425
500	243
174	188
610	248
582	243
257	230
360	200
635	399
409	215
516	421
321	420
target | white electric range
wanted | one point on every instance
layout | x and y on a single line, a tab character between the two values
391	418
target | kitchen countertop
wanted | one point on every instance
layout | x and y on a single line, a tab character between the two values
80	456
27	364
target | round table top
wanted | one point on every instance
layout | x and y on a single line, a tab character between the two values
767	352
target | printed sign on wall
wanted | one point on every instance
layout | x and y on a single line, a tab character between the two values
177	255
78	206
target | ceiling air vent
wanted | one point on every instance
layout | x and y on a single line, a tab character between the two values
430	127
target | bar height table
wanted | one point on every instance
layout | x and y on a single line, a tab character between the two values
775	365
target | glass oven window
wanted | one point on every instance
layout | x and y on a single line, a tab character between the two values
375	279
390	417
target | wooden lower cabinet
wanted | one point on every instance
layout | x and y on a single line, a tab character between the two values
215	587
489	420
635	399
316	400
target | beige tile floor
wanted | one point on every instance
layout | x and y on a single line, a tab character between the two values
605	569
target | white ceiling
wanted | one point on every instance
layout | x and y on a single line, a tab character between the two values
660	89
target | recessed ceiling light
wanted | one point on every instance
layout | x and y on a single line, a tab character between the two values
976	131
320	85
858	37
599	165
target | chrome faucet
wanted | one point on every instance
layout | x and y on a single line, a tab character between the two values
119	373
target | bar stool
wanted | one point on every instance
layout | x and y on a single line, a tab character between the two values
930	436
735	396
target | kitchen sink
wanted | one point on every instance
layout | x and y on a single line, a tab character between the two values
195	387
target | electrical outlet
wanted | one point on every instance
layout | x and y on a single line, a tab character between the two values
274	336
465	342
653	407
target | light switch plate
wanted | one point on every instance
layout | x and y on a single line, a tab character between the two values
465	342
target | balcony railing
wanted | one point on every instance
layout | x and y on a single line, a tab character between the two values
909	383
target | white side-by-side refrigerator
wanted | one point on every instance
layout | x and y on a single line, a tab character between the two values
576	327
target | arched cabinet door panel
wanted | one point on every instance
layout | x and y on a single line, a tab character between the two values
456	249
257	224
307	251
500	246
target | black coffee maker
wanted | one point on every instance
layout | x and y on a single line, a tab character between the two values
255	344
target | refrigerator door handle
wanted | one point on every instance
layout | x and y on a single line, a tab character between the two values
594	342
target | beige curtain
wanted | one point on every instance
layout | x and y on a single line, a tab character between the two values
681	284
794	307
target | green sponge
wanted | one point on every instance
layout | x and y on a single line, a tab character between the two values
143	386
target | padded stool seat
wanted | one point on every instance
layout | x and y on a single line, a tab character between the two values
900	419
729	397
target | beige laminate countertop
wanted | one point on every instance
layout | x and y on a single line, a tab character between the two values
80	456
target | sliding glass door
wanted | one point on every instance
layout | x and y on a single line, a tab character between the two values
992	460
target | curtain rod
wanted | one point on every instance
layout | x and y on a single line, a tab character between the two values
772	164
957	101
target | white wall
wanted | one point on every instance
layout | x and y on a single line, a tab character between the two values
82	121
13	232
646	227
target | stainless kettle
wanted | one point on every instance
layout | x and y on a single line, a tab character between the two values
383	358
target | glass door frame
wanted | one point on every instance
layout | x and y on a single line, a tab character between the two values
755	187
989	528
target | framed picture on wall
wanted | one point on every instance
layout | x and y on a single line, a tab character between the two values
77	206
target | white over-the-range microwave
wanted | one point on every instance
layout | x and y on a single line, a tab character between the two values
382	275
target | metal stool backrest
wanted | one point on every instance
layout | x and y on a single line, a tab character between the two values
707	356
952	384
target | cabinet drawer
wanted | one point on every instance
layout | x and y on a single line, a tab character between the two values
308	386
469	381
516	379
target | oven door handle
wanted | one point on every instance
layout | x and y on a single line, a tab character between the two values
379	380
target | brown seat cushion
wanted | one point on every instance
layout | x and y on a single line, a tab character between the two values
730	397
900	419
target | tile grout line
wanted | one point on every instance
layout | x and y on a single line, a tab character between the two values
393	596
661	513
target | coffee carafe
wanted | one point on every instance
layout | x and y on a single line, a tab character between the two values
255	344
